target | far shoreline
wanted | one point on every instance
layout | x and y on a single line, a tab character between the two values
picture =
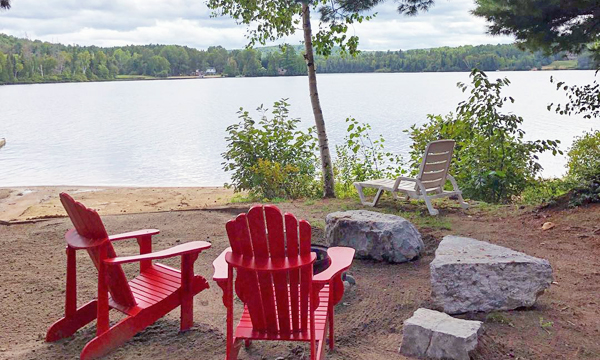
182	77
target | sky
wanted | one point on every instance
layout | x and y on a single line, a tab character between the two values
188	22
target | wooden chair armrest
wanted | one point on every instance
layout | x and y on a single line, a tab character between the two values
183	249
221	267
269	264
133	234
341	259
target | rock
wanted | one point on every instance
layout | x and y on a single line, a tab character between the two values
435	335
469	275
548	225
374	235
349	278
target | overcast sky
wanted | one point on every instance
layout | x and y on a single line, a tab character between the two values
188	22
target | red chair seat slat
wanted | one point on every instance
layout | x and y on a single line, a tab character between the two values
245	329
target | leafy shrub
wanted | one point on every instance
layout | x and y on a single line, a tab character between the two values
584	156
271	158
584	169
545	191
361	158
588	191
491	160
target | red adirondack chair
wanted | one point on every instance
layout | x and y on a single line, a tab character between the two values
148	297
282	299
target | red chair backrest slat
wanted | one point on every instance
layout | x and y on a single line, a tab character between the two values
265	232
88	224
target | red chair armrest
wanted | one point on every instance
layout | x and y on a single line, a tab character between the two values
341	259
221	267
183	249
269	264
133	234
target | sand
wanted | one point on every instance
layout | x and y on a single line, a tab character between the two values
39	202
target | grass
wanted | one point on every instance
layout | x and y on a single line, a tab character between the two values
241	198
424	220
499	318
561	65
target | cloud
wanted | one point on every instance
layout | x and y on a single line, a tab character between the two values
188	22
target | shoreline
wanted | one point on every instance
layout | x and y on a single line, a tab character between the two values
182	77
20	204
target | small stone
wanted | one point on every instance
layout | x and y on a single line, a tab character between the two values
548	225
382	237
350	279
435	335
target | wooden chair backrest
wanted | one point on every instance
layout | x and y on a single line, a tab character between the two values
435	164
262	233
88	224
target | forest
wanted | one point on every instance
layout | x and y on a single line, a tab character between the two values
33	61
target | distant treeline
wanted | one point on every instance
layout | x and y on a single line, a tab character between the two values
26	61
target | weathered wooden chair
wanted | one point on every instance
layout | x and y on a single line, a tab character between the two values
157	290
282	299
429	183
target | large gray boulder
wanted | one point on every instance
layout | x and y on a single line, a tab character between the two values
468	275
374	235
435	335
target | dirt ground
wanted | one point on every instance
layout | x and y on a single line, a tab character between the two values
564	324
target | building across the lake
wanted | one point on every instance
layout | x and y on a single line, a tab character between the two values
211	71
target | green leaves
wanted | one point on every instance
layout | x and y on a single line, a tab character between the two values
271	158
491	160
360	157
583	99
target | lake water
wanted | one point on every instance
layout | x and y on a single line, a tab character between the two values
171	133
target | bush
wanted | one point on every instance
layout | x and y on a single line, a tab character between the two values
584	157
361	158
584	169
273	159
491	160
545	191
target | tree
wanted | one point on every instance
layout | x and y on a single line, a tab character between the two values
269	20
553	26
5	4
158	66
549	25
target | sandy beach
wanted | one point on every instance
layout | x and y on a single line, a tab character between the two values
38	202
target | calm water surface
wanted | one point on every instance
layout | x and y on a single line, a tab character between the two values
171	133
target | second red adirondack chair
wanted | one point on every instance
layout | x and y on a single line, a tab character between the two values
148	297
282	299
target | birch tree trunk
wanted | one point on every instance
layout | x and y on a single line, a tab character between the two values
327	167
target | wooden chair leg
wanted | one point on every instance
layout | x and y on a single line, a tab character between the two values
119	334
187	295
233	344
68	325
102	319
330	324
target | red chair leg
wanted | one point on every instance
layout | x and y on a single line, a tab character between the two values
67	326
330	319
247	343
187	295
119	334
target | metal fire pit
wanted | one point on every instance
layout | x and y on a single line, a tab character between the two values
322	261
